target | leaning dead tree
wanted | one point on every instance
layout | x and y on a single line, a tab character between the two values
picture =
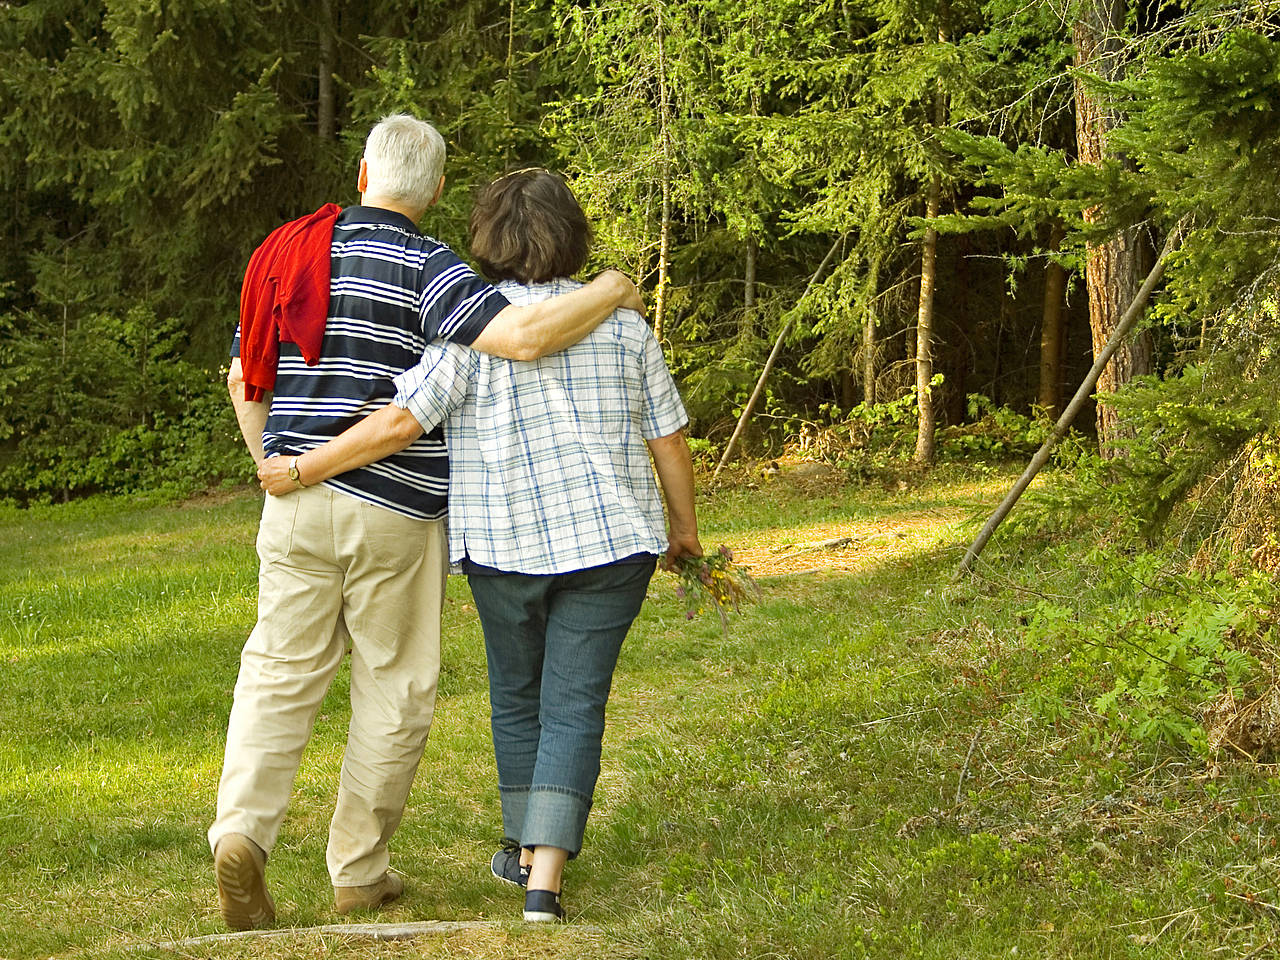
773	357
1122	330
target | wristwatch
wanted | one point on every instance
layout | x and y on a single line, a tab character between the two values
293	473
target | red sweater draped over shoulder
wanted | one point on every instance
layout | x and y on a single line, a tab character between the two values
285	297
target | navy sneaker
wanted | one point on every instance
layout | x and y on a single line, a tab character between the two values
542	906
505	865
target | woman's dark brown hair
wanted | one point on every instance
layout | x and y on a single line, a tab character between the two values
528	227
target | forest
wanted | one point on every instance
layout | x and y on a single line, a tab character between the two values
935	210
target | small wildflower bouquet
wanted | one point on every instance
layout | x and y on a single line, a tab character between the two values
714	581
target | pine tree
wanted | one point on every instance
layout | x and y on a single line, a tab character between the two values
1114	268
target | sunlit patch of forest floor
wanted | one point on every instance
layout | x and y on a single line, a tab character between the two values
843	546
841	543
874	762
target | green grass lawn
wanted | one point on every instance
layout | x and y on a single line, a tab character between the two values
854	772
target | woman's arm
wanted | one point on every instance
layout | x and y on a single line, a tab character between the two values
425	396
675	474
378	435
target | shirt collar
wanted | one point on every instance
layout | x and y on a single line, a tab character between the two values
379	215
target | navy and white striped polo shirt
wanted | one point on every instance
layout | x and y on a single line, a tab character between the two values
391	291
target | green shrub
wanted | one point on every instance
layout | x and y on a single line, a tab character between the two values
992	433
879	435
108	405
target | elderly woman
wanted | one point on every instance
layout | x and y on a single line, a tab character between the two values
553	514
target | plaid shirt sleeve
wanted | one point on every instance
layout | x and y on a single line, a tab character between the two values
664	413
437	385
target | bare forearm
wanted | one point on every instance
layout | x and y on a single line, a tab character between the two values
378	435
675	473
250	415
535	330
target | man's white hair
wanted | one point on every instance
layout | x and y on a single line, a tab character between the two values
404	159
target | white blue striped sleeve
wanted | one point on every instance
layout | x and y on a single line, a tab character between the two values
454	303
437	385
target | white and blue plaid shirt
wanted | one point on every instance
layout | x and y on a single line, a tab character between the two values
548	468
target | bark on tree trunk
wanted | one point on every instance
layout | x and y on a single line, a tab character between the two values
868	352
1004	321
960	357
928	279
1051	332
869	358
924	330
1111	270
1113	281
664	238
325	106
747	330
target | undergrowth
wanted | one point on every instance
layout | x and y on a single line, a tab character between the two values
1146	665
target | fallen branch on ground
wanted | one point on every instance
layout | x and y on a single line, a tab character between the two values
371	931
835	544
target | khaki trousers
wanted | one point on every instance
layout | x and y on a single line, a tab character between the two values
334	569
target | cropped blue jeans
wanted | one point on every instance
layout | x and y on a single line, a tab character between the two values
552	643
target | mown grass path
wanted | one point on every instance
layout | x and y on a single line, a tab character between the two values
848	774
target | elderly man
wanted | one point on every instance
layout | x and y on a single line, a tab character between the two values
361	557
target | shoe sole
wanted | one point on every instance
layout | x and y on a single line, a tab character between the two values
537	916
242	888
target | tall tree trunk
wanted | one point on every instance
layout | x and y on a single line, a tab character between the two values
869	371
1112	268
509	95
325	69
747	330
870	367
664	238
511	37
848	389
1049	396
960	357
1005	318
928	281
924	329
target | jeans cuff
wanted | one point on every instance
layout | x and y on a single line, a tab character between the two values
555	817
515	800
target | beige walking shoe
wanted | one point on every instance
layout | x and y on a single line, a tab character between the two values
240	866
369	897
